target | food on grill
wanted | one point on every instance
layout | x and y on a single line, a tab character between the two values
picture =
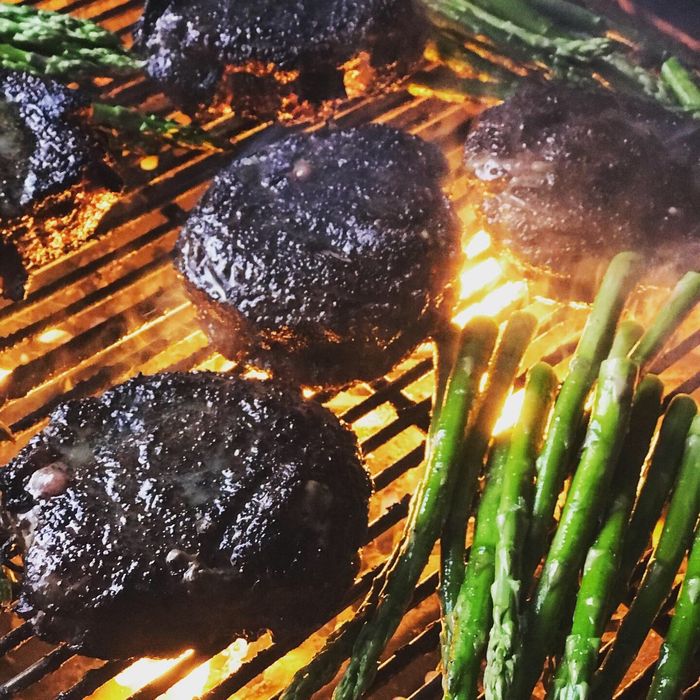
54	180
496	584
566	177
267	57
56	44
182	510
325	257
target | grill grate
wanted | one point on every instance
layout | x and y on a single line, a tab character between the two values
112	309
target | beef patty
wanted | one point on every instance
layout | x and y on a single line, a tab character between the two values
566	175
183	510
270	56
53	176
324	257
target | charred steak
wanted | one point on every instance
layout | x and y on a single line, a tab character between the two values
324	257
270	56
182	510
567	175
53	176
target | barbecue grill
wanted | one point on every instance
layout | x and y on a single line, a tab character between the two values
113	309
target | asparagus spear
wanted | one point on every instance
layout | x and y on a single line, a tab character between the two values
656	585
501	373
471	617
75	64
323	667
513	510
41	23
584	503
681	82
683	635
685	296
58	45
132	121
600	571
571	14
660	476
428	515
556	454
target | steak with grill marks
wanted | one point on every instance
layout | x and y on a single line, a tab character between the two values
324	257
184	510
567	176
53	176
270	56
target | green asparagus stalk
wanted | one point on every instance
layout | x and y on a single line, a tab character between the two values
560	442
73	65
661	474
427	516
571	14
627	336
681	82
584	503
132	121
59	45
338	647
471	618
685	296
501	374
600	571
42	26
683	635
513	511
657	583
519	11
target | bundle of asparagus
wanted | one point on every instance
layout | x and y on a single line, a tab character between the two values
493	605
59	45
566	39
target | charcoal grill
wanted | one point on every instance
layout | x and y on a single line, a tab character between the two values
112	309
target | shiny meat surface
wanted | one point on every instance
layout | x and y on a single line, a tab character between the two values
55	150
566	176
52	171
183	510
324	257
267	56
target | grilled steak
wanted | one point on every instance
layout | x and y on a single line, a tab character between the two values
182	510
567	175
54	180
270	56
324	257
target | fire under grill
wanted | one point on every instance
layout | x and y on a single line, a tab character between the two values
113	309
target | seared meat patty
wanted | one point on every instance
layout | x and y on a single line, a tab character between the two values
270	56
53	176
324	257
567	175
183	510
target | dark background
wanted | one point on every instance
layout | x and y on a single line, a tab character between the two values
684	14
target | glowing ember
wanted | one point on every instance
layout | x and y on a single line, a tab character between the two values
149	163
53	335
208	674
511	412
479	243
141	673
493	303
256	373
479	276
4	373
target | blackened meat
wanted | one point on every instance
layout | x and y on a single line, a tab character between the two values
183	510
324	257
568	176
53	176
268	56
